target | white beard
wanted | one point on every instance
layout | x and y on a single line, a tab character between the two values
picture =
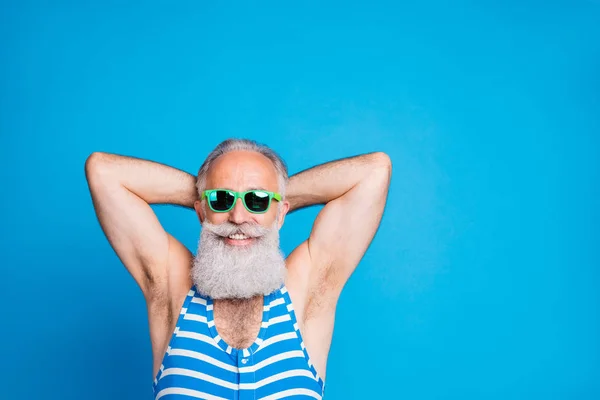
223	271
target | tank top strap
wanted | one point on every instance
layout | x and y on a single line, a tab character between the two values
186	303
290	309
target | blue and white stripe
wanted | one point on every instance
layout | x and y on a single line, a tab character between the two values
199	364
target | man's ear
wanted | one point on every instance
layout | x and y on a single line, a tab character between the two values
285	207
199	211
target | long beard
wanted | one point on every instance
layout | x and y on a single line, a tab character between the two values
223	271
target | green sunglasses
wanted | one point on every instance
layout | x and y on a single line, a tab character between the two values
255	201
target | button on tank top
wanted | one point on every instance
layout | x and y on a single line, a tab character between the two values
199	364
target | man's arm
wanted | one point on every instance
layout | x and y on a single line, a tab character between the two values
354	191
122	189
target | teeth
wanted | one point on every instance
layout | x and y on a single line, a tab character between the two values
238	236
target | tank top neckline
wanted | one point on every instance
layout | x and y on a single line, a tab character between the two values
232	351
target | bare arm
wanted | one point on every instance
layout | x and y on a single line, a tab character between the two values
354	191
122	189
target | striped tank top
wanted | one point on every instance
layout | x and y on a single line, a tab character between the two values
198	364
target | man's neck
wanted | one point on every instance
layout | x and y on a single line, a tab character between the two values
238	304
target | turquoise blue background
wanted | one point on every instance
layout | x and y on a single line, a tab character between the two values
482	282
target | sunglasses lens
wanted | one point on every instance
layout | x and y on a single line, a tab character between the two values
221	200
257	201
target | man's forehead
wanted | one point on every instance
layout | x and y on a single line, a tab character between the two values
247	170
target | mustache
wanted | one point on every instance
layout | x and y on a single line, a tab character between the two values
250	229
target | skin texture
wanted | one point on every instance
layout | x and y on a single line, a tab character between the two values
352	190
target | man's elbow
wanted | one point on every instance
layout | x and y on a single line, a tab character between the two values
380	171
382	162
97	166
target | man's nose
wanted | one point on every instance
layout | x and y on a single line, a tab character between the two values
238	214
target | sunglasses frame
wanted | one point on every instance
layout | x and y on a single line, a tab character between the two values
240	195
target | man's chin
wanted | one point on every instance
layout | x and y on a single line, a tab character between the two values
230	268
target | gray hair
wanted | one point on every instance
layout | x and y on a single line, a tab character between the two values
247	145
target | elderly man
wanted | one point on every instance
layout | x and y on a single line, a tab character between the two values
238	320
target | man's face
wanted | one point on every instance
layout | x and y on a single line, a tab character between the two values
238	253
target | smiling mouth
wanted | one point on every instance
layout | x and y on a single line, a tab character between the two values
238	239
238	236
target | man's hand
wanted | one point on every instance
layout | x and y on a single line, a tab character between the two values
354	191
